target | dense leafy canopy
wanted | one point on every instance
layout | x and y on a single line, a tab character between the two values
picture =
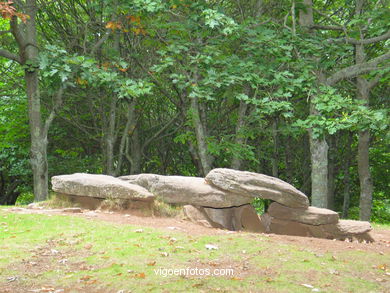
176	87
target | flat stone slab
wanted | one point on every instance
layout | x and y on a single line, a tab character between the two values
351	227
242	218
342	230
198	216
257	185
99	186
187	190
310	215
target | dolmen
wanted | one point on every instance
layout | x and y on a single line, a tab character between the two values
221	200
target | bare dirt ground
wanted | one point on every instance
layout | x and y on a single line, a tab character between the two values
381	236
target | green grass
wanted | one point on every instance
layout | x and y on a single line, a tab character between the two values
97	255
380	226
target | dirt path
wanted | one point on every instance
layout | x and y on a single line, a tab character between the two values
381	236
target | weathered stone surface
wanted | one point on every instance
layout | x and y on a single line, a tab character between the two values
350	227
199	216
284	227
310	215
247	219
257	185
99	186
342	230
196	215
222	217
243	218
187	190
145	180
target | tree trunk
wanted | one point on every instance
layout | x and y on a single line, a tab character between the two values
110	138
194	156
110	135
240	138
200	137
347	177
275	170
331	172
318	146
366	184
38	151
319	171
365	179
129	128
289	159
136	153
306	168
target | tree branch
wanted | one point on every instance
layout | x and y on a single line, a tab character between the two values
10	56
328	17
327	27
101	41
17	33
161	130
57	104
4	32
353	41
373	82
358	69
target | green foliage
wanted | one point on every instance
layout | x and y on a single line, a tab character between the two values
74	70
223	54
381	210
25	198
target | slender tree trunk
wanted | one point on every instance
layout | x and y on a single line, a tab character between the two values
194	156
110	138
38	150
366	184
331	172
129	128
289	159
110	135
319	172
200	137
275	155
318	146
136	153
347	177
240	138
306	168
363	93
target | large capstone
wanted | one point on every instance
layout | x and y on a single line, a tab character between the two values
257	185
187	190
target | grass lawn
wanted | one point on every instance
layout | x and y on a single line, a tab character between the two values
57	253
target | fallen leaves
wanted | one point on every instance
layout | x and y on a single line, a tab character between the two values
140	275
85	278
88	246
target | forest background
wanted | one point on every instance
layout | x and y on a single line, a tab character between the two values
294	89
